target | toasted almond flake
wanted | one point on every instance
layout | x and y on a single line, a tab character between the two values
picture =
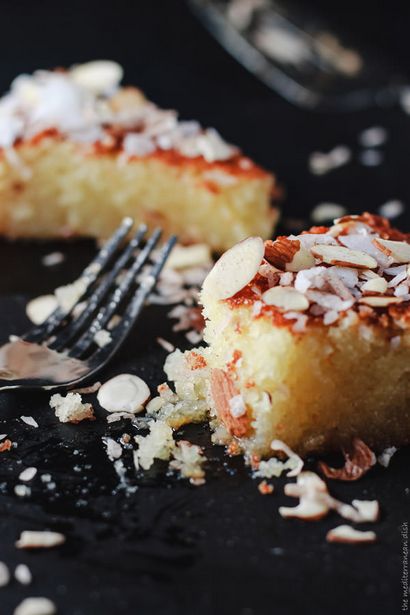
5	445
36	606
288	254
40	308
285	299
358	461
398	250
380	301
222	391
375	285
344	257
29	421
235	269
23	575
123	393
30	539
309	487
348	535
4	575
278	445
28	474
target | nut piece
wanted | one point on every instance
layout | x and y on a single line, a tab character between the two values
344	257
99	76
348	535
359	458
380	301
375	285
286	298
222	391
235	269
399	251
125	392
288	254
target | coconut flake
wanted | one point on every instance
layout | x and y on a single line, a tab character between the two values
46	539
385	456
29	420
40	308
4	575
23	575
113	448
294	459
28	474
36	606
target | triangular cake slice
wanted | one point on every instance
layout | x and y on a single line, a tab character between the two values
78	153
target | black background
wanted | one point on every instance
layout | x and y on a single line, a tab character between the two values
170	548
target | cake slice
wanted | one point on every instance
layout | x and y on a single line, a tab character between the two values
78	153
309	339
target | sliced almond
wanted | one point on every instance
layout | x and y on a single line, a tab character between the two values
398	250
288	254
235	269
344	257
223	391
125	392
375	285
348	535
302	259
286	298
380	301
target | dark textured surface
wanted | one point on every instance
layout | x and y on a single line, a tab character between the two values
170	548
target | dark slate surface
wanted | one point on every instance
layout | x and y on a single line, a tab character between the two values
169	548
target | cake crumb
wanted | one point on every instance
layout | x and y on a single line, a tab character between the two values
265	488
70	409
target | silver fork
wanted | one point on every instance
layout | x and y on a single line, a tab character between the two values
62	352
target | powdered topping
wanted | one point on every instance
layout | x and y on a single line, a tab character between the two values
358	461
86	104
360	265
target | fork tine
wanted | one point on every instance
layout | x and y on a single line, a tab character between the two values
118	294
134	308
89	275
101	291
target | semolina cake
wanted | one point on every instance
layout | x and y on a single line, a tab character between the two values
309	338
78	153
